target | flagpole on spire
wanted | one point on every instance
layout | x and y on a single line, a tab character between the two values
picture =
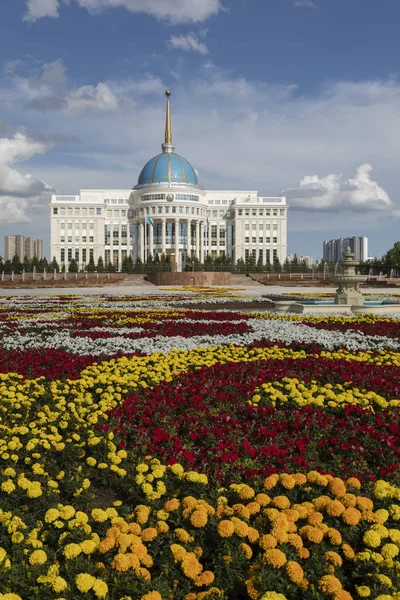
168	131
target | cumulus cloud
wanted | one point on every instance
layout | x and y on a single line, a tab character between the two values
46	89
19	192
189	43
333	191
174	11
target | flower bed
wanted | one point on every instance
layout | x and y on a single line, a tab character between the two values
149	451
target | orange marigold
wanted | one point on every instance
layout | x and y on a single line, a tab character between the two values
262	499
315	518
281	502
364	503
149	534
351	516
335	508
349	500
348	551
337	486
333	558
240	527
190	565
152	596
329	584
199	517
183	535
178	552
252	535
171	505
143	574
205	578
247	551
342	595
225	528
274	557
294	571
288	481
271	481
267	541
124	562
335	537
353	482
299	478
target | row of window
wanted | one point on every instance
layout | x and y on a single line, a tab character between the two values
79	254
260	212
254	226
219	201
263	256
115	201
260	240
167	210
77	211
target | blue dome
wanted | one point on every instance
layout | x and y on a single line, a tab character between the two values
167	167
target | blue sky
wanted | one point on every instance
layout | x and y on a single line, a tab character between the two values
284	96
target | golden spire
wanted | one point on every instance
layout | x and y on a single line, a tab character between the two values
168	131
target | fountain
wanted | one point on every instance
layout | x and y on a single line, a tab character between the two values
348	297
348	291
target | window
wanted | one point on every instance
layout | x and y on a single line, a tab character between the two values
274	254
275	227
174	210
91	253
91	212
228	213
222	236
62	255
55	211
274	240
275	212
247	255
69	212
116	213
253	240
268	240
190	197
62	212
159	210
261	256
261	239
84	255
62	239
124	235
77	254
268	256
147	197
115	236
254	212
224	201
247	212
211	202
123	212
215	213
77	211
260	212
254	254
121	201
221	213
213	235
69	254
98	211
268	212
246	240
106	235
240	212
91	239
282	212
109	213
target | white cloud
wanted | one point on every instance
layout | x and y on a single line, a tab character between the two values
189	43
305	4
174	11
36	9
46	89
19	192
333	191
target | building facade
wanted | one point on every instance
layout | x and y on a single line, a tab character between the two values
168	213
333	250
22	246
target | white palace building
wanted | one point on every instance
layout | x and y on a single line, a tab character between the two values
168	212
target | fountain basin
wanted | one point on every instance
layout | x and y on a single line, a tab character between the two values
330	307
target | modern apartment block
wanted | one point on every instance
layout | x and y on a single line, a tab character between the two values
22	246
333	250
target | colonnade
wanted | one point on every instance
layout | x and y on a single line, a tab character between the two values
145	244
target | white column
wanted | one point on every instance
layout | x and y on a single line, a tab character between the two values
189	238
141	241
177	261
202	242
197	238
151	240
136	225
163	235
218	239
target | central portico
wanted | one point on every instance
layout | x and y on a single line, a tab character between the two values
168	206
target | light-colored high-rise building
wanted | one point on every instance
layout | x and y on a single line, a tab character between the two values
168	212
21	246
334	250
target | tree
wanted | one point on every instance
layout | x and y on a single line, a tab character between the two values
91	267
127	264
277	267
73	266
26	265
392	256
100	265
8	266
54	265
16	264
110	268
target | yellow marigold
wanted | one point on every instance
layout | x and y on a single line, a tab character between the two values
149	534
384	580
273	596
38	557
299	478
84	582
100	588
372	539
281	502
72	550
51	515
351	516
225	528
348	551
337	486
182	535
315	518
172	505
59	584
363	591
294	571
333	558
199	518
247	551
88	546
295	540
178	552
67	511
353	482
162	515
381	515
335	508
267	541
152	595
252	535
190	565
389	551
329	584
99	515
189	502
274	557
349	500
205	578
